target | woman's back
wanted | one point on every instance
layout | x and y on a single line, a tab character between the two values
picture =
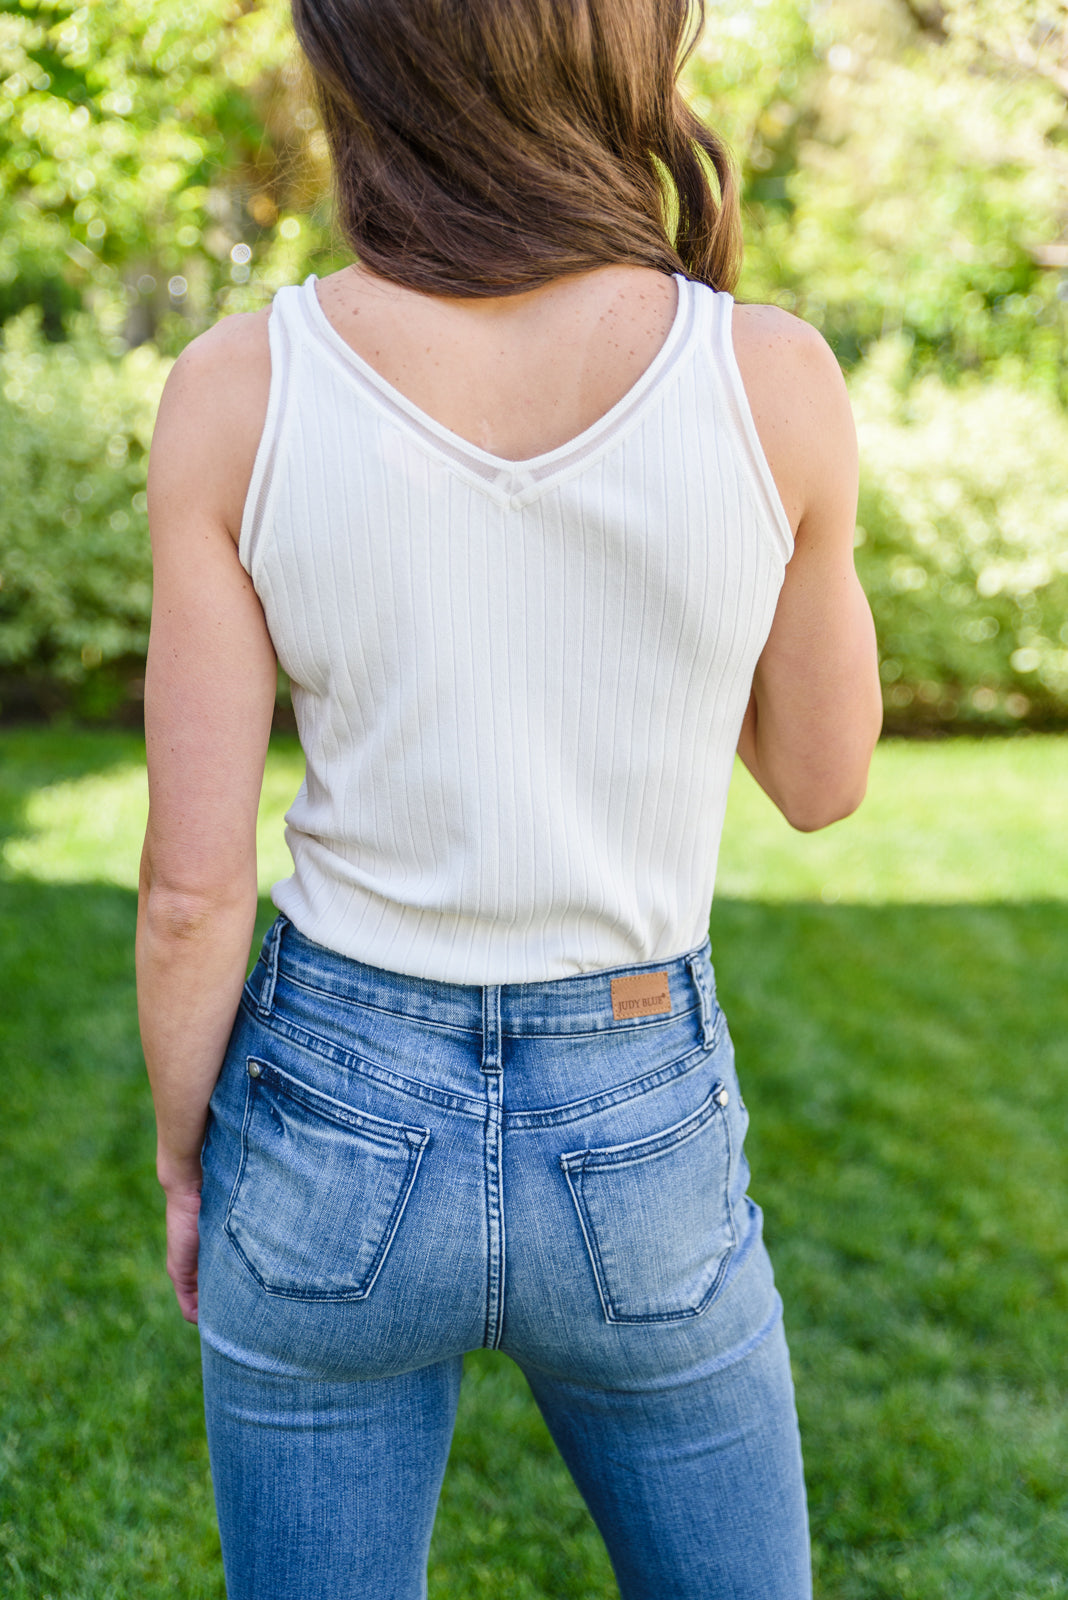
516	376
519	684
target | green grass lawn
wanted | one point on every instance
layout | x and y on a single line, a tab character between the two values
896	989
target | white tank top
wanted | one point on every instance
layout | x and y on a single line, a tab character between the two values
518	685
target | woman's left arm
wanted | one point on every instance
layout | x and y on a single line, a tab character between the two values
816	707
209	695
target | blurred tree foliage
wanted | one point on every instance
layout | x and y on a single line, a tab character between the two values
157	158
906	171
905	168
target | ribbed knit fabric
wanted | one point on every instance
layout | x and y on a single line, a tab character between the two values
518	685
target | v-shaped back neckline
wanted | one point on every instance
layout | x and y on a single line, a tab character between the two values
514	478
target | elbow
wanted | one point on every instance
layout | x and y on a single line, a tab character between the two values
183	911
828	786
810	812
180	917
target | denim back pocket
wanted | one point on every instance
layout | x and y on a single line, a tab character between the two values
656	1216
320	1190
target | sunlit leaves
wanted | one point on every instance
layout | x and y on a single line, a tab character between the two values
964	542
147	139
900	179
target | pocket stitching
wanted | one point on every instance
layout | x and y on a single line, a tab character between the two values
591	1246
637	1150
577	1162
331	1110
415	1139
325	1050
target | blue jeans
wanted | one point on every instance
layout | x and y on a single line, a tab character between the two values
398	1170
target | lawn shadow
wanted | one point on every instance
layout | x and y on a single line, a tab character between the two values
907	1077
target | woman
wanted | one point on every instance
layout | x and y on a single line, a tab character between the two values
542	527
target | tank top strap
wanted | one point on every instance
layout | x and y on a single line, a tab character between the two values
714	317
283	334
712	314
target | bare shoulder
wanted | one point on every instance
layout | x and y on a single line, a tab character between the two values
211	416
240	339
775	347
797	395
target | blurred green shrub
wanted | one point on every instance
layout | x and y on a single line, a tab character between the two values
963	530
924	206
75	573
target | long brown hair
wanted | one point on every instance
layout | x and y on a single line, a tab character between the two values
483	147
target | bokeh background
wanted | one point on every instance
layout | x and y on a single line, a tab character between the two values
905	169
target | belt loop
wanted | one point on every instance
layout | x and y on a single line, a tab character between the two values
491	1027
270	958
701	973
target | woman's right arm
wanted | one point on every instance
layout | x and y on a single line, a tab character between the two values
209	695
816	709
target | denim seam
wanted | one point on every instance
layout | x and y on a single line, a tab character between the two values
370	1005
492	1156
331	1110
655	964
265	998
621	1029
635	1024
317	1046
245	1120
591	1246
692	1061
706	995
467	1106
652	1144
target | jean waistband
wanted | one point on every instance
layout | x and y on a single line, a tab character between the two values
585	1003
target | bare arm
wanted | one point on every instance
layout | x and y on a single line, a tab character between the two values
209	695
816	710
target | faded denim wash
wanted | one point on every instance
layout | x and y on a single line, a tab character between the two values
398	1170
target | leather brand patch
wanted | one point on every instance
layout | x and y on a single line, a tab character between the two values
642	994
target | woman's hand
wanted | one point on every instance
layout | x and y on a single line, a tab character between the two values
183	1241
